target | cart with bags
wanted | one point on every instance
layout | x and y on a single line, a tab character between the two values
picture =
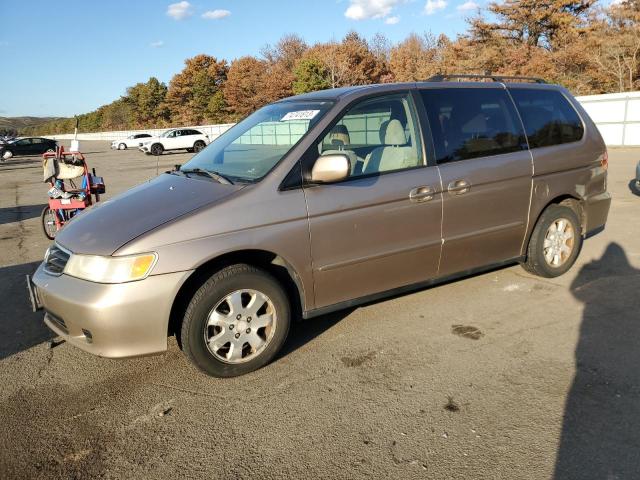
73	188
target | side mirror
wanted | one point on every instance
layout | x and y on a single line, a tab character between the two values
331	168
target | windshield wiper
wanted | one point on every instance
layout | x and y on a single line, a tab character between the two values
207	173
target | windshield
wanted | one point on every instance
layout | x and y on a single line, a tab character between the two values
166	134
249	150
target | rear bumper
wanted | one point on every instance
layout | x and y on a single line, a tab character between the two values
597	211
109	320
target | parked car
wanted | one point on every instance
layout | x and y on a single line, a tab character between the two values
638	177
178	139
27	146
132	141
325	201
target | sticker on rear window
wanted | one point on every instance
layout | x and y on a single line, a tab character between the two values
300	115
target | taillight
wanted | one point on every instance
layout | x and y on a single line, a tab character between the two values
605	160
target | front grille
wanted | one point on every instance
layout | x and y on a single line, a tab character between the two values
56	260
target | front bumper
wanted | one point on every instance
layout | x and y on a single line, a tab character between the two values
109	320
144	148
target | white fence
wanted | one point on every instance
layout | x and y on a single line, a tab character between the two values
212	130
617	116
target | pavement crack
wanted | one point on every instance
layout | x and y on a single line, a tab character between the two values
48	359
186	390
537	279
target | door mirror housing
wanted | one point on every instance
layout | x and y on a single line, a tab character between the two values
331	168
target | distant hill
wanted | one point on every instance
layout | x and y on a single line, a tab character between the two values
19	123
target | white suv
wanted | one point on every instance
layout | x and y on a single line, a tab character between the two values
178	139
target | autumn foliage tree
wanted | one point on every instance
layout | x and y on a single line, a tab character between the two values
191	91
148	103
577	43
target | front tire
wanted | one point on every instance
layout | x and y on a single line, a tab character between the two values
555	242
48	219
157	149
236	322
6	155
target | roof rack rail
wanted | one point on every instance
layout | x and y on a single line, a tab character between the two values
495	78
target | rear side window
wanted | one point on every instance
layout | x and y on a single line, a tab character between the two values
472	122
549	119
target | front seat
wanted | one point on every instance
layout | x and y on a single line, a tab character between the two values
341	141
395	154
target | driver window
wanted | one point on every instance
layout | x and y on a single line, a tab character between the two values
378	135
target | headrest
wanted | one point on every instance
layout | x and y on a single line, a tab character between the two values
340	135
394	133
477	124
383	130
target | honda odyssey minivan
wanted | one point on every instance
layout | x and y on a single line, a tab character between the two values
324	201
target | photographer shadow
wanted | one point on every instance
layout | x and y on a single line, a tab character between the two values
601	428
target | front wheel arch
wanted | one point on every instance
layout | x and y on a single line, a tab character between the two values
266	260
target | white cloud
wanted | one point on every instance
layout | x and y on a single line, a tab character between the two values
466	6
216	14
180	10
156	44
369	9
392	20
432	6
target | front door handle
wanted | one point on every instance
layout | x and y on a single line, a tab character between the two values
421	194
459	187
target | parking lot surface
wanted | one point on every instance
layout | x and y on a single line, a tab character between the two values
502	375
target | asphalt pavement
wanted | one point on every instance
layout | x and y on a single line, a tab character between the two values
501	375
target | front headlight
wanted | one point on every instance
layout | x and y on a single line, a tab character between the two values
101	269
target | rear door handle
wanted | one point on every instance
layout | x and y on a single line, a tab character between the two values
421	194
459	187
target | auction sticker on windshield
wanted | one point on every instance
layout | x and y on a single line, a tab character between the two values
300	115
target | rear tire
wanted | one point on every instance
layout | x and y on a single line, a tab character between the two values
122	146
236	322
199	146
48	219
555	242
157	149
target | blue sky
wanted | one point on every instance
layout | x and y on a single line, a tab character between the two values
65	57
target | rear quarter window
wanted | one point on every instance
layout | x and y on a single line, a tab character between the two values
472	122
548	117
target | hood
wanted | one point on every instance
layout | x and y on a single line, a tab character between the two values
107	226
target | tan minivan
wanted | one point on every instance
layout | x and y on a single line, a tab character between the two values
323	201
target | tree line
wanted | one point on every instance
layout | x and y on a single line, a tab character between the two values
586	47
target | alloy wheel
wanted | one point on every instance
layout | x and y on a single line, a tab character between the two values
240	326
559	242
